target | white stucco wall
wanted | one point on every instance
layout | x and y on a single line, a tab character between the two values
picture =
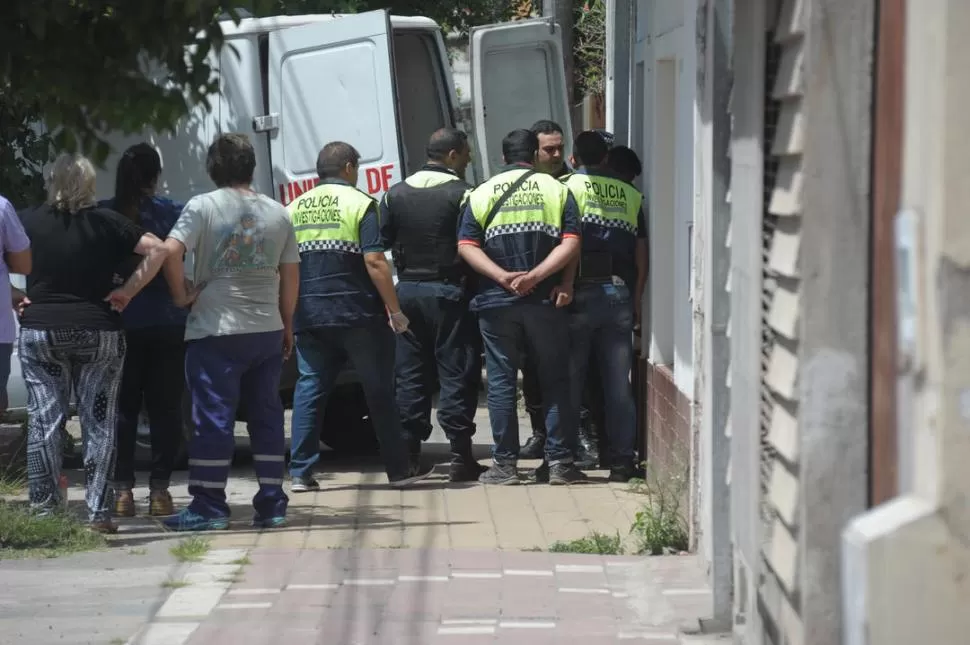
664	36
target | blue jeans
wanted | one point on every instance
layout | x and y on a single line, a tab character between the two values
320	356
545	331
224	373
601	324
443	346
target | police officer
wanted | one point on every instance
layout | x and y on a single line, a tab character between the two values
550	160
625	163
612	272
419	221
346	301
552	148
518	231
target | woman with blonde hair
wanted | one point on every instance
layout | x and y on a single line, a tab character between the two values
71	330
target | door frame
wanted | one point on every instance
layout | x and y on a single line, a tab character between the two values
887	150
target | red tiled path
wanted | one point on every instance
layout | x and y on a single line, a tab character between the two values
431	597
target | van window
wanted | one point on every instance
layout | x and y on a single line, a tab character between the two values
420	94
318	108
510	77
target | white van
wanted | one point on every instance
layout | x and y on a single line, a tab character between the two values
381	83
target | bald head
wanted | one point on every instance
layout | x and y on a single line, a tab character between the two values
449	147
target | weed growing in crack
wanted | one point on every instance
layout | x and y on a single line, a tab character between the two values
660	526
595	543
191	549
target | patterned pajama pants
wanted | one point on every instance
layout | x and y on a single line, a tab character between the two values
52	361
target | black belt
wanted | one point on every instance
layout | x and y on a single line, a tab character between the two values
447	278
595	266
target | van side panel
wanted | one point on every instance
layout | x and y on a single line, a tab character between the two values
333	81
241	98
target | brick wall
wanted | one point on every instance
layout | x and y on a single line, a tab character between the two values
667	420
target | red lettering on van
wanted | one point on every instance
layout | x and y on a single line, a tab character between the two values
292	190
379	179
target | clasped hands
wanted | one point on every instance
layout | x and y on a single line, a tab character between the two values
523	283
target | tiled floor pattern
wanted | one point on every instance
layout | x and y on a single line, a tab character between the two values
356	509
428	597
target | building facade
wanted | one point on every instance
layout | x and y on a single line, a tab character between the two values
805	162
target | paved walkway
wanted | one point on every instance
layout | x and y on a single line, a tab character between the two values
428	597
355	508
362	564
98	598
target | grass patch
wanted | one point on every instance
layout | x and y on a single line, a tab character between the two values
138	551
13	468
595	543
174	584
11	483
660	527
191	549
243	561
24	535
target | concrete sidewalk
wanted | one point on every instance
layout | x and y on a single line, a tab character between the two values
355	508
99	598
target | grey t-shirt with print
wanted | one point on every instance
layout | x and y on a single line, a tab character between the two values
239	239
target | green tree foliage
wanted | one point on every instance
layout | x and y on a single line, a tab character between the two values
590	47
81	67
23	150
83	63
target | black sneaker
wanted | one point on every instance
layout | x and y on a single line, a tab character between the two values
586	457
541	474
566	475
416	474
622	474
500	475
304	484
534	448
465	469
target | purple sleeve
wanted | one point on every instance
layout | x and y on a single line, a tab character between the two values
14	238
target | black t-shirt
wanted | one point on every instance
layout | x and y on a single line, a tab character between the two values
75	258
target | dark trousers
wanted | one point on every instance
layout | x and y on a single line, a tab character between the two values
222	372
601	327
544	331
592	405
320	355
444	344
154	373
532	395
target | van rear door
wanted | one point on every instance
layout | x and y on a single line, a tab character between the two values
517	78
332	81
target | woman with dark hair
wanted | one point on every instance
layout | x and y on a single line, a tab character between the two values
154	329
